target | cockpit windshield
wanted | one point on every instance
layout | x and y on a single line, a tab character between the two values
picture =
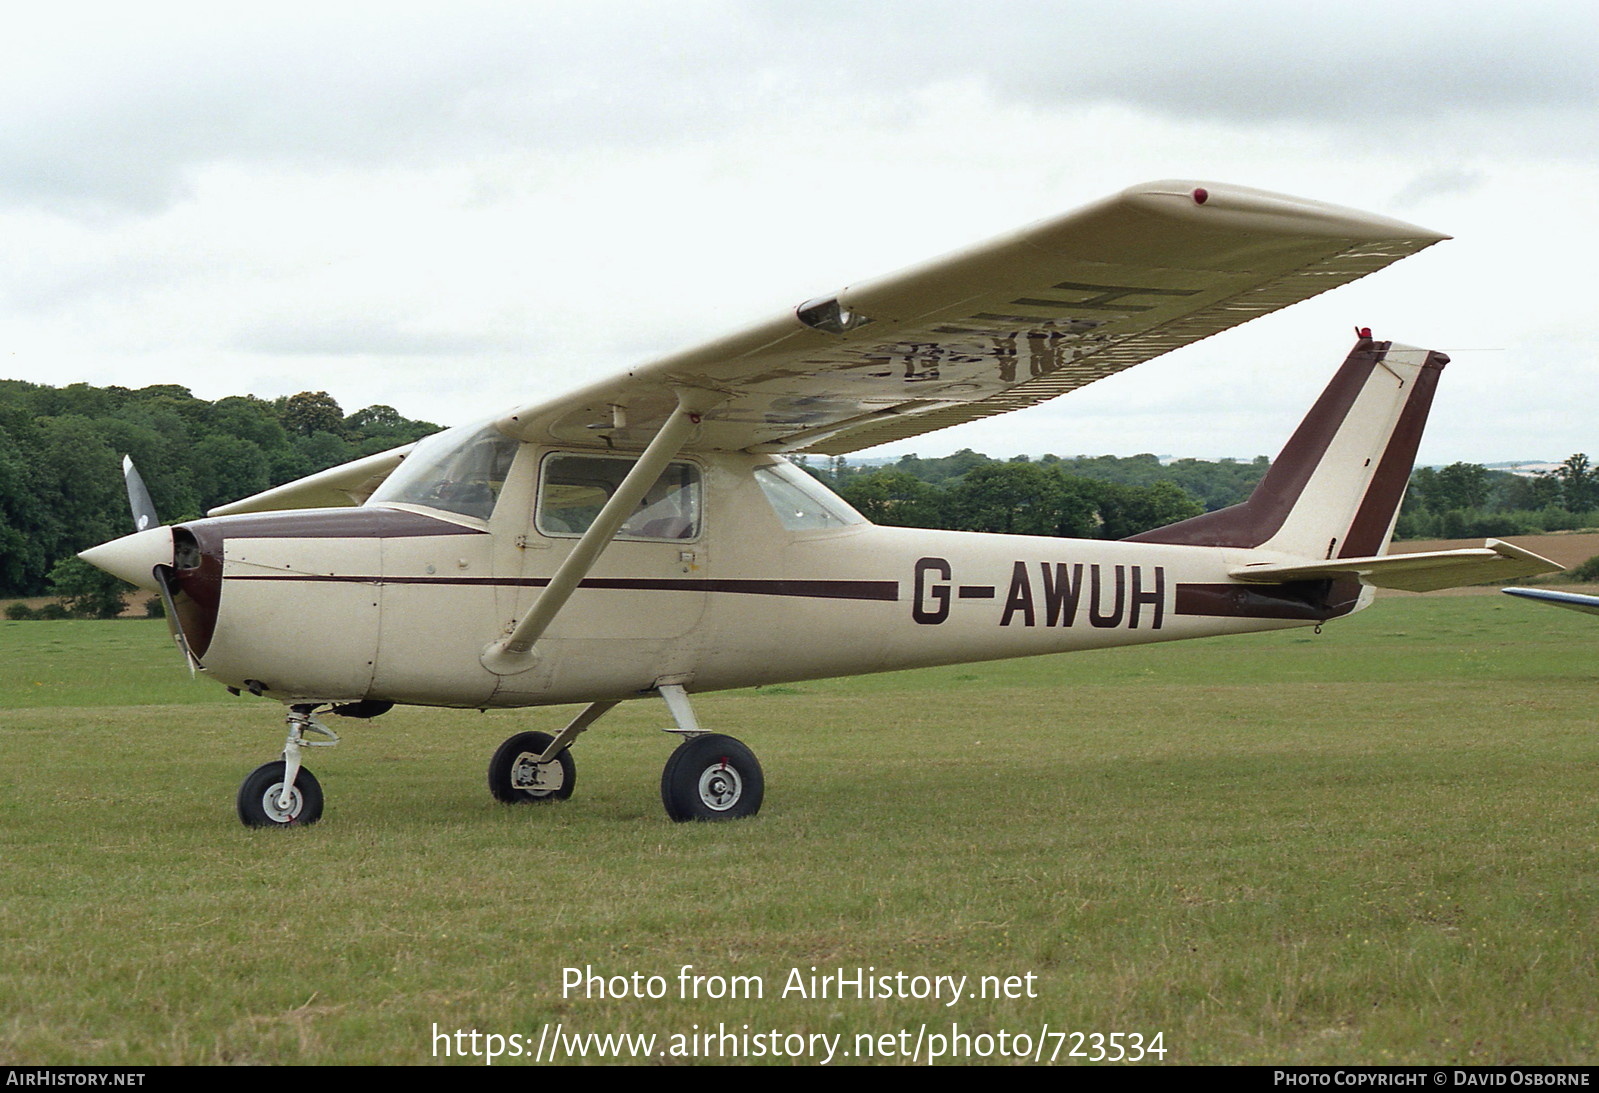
460	470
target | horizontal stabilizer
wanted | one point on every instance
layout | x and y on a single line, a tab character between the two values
337	487
1421	572
1573	601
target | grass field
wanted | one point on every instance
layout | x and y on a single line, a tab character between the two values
1373	845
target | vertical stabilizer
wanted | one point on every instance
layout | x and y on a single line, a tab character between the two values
1334	491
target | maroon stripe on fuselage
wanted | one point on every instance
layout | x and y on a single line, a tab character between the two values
827	590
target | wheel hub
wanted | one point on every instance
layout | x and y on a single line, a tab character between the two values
531	776
720	787
269	804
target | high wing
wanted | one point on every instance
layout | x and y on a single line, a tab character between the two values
999	327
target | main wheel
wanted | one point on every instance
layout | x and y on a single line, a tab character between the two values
515	779
258	798
712	777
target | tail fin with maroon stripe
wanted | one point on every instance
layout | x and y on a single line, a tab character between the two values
1335	490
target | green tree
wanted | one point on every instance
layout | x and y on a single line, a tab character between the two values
321	450
312	412
77	480
87	592
895	498
1579	484
251	419
379	428
1012	498
22	556
1531	492
227	468
1128	510
1459	486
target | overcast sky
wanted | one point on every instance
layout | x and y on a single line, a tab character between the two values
456	208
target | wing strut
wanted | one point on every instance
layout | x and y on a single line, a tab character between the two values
515	652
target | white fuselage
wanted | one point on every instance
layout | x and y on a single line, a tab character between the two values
403	612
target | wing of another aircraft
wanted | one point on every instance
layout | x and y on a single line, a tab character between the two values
1573	601
1001	326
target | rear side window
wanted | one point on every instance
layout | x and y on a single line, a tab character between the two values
801	502
574	488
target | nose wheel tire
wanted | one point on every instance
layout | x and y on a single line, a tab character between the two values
516	779
712	777
259	804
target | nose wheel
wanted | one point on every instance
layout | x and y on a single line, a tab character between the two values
261	798
283	793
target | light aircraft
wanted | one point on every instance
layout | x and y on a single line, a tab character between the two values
645	536
1573	601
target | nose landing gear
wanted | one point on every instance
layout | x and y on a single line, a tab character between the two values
282	793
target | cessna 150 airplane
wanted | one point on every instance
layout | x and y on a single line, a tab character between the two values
644	536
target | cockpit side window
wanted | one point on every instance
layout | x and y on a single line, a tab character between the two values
574	488
460	470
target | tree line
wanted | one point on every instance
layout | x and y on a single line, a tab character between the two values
1103	497
1110	497
61	487
1467	500
61	448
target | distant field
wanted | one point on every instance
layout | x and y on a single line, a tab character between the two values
1565	548
1372	845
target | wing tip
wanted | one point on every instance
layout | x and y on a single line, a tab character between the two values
1267	209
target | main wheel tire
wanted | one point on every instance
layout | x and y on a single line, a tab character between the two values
515	779
712	777
258	798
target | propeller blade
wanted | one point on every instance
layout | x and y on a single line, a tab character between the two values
144	516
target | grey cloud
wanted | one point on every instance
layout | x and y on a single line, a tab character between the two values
121	116
1434	183
1247	59
373	336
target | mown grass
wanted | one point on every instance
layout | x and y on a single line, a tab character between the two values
1372	845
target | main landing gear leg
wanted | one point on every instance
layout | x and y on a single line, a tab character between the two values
282	793
709	776
534	766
